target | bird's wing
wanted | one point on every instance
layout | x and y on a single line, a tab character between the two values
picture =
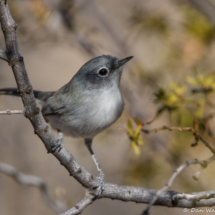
54	106
58	103
52	110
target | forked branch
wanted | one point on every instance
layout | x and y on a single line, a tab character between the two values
178	196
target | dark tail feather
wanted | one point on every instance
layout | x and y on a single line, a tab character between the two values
43	96
9	91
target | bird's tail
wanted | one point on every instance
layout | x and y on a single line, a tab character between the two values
43	96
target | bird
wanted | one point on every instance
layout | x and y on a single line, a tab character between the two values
88	104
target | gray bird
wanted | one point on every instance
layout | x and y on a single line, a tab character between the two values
87	105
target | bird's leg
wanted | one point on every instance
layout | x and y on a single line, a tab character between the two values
59	143
100	188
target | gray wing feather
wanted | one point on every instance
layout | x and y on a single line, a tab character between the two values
57	103
53	106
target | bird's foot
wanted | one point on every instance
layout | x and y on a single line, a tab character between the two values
58	145
100	187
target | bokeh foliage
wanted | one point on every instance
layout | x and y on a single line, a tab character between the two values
183	95
188	104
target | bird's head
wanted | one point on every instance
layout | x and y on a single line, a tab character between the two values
101	71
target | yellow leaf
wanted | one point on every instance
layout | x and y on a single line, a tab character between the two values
137	131
138	121
200	110
130	127
192	80
172	99
135	137
140	140
209	80
135	148
213	86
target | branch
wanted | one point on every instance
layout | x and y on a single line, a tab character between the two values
9	112
206	144
32	181
78	208
195	197
171	128
142	195
203	166
3	55
174	175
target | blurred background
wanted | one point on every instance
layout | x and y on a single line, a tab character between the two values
171	77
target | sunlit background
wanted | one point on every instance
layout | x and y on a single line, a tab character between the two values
171	78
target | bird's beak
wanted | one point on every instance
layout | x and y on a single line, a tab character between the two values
125	60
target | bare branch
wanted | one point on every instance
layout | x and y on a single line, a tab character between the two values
143	195
206	144
9	112
78	208
31	180
195	197
3	55
171	128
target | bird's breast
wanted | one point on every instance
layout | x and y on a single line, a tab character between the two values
92	114
109	107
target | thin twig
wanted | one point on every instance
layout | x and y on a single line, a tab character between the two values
78	208
206	144
191	129
9	112
139	122
203	166
170	128
31	180
169	183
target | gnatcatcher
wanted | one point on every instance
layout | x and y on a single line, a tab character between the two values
85	106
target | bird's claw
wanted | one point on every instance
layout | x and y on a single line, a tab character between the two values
100	187
58	145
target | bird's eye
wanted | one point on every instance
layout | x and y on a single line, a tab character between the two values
103	72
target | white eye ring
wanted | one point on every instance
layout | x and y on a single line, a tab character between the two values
103	72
